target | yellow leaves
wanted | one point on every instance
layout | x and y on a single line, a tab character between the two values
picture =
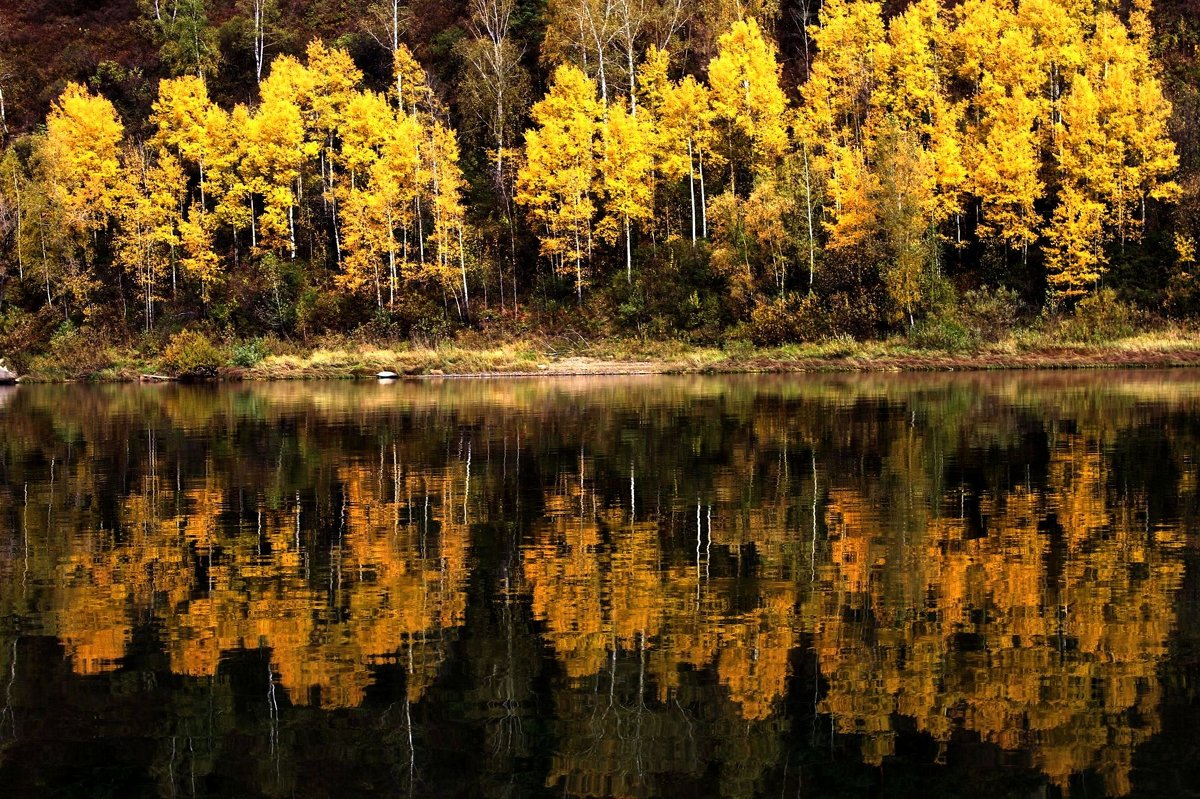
401	166
366	124
364	229
744	78
83	138
448	214
848	39
1075	257
1007	159
652	78
685	128
148	217
199	261
557	182
1114	151
1185	249
851	188
185	120
628	164
910	83
412	90
332	80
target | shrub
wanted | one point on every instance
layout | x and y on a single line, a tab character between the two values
23	333
942	332
192	355
810	318
1183	294
319	310
1098	318
990	314
73	353
777	322
248	353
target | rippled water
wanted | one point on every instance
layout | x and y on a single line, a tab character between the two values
980	585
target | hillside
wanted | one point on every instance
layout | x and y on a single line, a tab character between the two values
952	173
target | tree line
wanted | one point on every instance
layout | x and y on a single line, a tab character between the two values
671	178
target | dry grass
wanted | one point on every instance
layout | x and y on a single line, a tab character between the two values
349	363
344	358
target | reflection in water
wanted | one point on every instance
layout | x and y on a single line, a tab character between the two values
684	586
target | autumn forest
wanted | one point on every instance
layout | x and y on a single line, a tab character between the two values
775	171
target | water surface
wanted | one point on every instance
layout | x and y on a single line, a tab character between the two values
910	585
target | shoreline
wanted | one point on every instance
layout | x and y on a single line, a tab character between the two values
524	360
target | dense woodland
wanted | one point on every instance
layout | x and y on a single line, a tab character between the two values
774	172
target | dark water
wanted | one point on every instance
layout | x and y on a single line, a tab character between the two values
807	586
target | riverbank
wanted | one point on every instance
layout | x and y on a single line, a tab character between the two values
348	359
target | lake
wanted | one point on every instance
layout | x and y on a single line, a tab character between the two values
973	585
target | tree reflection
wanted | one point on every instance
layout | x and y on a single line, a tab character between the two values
610	584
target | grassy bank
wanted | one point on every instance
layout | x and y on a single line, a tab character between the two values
193	355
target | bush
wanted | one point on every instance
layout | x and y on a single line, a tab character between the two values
318	311
73	353
777	322
942	332
192	355
1183	295
1098	318
675	293
248	353
990	314
811	318
23	333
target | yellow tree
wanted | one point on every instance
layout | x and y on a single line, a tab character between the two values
583	32
80	158
198	259
151	196
231	181
365	231
412	89
322	91
557	182
1006	156
685	138
1057	31
765	215
197	132
1113	153
851	190
396	176
189	125
994	52
912	91
906	209
627	169
1075	256
13	188
834	125
448	237
1135	116
275	148
746	95
43	242
916	147
842	78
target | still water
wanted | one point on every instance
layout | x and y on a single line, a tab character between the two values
842	586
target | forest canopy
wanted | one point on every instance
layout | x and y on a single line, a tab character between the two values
803	170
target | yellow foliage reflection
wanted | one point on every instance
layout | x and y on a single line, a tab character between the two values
390	589
997	563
